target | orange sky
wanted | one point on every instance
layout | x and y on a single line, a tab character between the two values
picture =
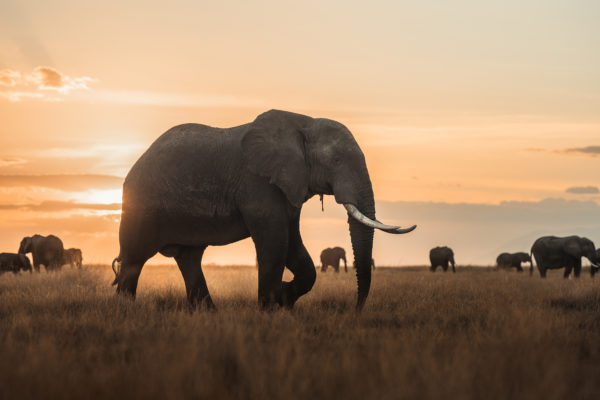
459	103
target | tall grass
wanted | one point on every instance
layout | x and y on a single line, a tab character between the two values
470	335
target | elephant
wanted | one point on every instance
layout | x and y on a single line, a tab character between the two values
441	256
513	260
199	186
332	256
46	250
553	252
14	263
72	257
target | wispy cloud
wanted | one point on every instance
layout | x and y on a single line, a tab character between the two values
589	151
583	190
63	182
593	151
43	82
11	161
60	206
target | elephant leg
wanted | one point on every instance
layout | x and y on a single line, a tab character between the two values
303	268
567	272
453	269
445	267
433	268
189	261
323	267
129	274
271	247
542	271
336	267
577	269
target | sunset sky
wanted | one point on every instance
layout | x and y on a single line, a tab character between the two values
480	121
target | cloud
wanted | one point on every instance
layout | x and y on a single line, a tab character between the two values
63	182
590	151
16	86
583	190
10	161
59	206
9	77
593	151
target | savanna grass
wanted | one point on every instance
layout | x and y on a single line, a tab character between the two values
470	335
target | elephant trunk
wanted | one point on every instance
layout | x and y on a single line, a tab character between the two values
362	245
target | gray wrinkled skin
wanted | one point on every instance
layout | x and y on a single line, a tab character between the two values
512	260
45	250
441	256
331	257
199	186
553	252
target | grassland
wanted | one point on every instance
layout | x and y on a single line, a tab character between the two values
470	335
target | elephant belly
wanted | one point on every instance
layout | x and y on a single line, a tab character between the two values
201	230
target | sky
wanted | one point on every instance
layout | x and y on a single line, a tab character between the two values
480	121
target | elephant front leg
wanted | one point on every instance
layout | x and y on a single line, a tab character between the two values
577	269
189	261
303	268
567	273
271	248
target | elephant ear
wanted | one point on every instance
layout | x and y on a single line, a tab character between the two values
573	248
274	147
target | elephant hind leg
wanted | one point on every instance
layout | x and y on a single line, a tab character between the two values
189	261
129	273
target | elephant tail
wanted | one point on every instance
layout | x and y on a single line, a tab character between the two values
116	260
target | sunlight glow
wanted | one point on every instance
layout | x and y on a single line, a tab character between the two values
109	196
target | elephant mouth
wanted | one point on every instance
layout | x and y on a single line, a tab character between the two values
363	219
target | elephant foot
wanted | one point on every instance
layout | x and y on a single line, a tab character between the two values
288	295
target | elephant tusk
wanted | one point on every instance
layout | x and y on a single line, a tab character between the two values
363	219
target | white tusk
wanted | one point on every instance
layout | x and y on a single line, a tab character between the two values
363	219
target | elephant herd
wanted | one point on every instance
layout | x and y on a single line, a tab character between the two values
45	250
198	186
549	252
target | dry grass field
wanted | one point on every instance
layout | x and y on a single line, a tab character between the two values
477	334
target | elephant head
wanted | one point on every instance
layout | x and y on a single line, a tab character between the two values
25	246
596	265
523	257
304	156
583	247
25	263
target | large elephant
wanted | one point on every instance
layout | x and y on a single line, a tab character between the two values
14	263
513	260
553	252
331	256
441	256
73	257
198	186
46	250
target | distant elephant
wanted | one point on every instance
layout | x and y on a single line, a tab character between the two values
199	186
553	252
14	263
72	257
331	256
46	250
513	260
441	256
